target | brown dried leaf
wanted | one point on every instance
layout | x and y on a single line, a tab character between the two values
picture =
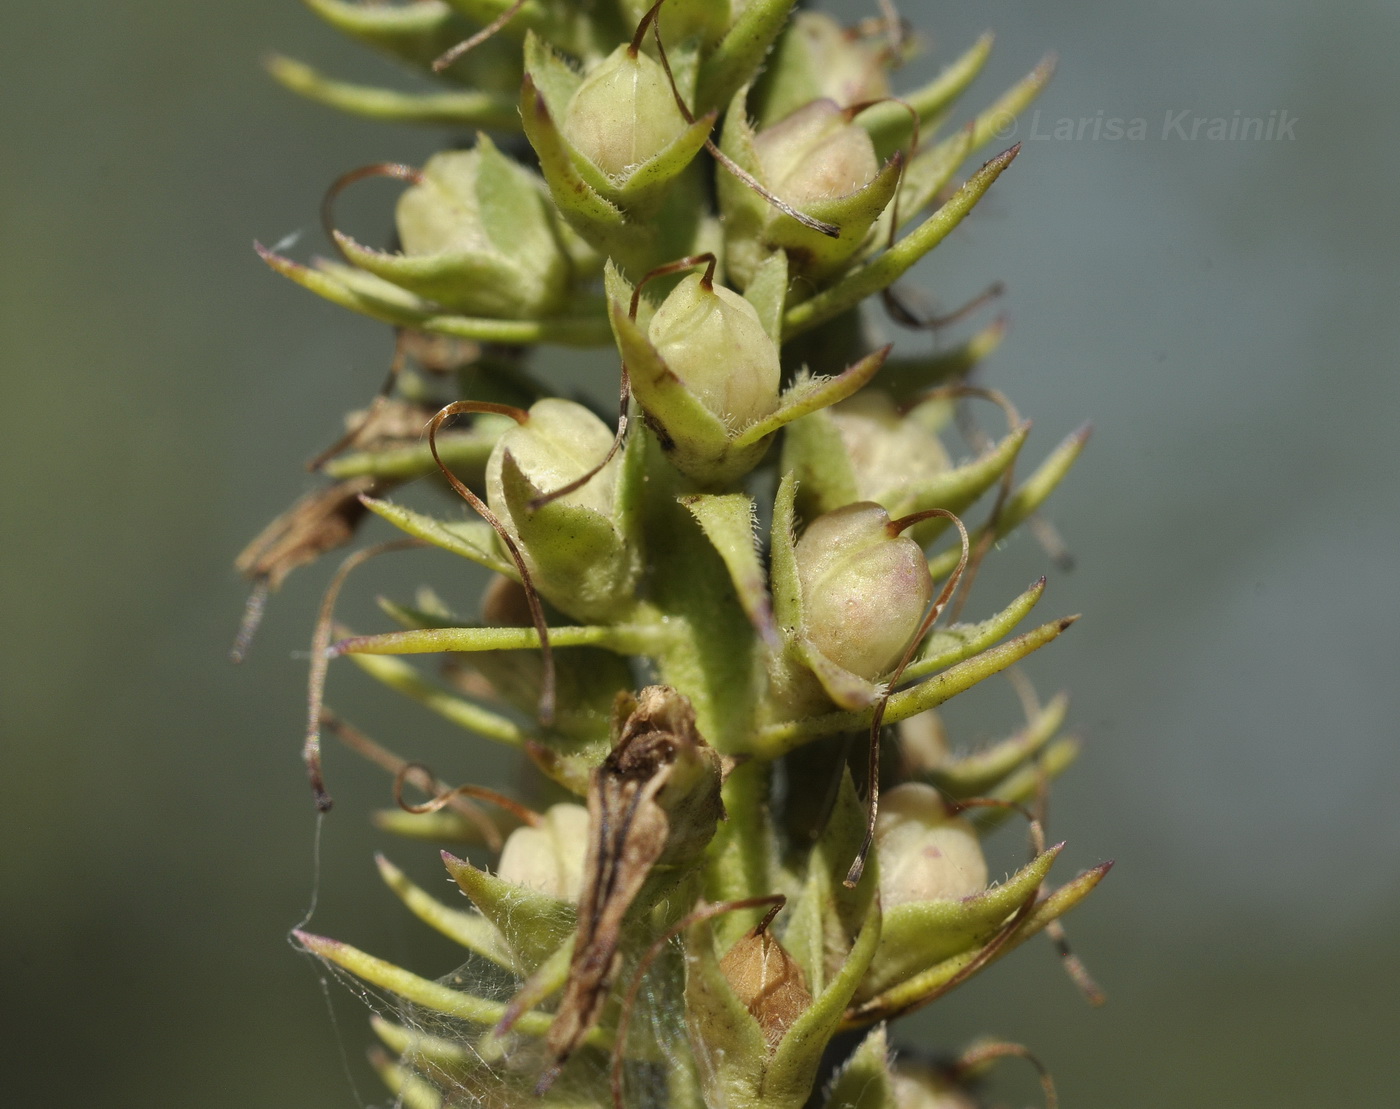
319	522
653	802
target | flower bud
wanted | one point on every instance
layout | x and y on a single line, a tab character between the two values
768	981
478	236
624	113
889	454
864	591
816	161
816	154
925	853
578	547
549	858
711	338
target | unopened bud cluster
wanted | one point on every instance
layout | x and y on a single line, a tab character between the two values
702	605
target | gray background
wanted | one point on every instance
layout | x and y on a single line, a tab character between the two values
1225	312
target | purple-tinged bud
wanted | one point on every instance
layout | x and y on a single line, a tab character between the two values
816	154
712	339
925	853
864	590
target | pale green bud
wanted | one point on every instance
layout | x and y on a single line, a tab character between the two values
549	858
889	454
578	547
925	853
864	590
712	339
623	114
479	237
816	154
562	441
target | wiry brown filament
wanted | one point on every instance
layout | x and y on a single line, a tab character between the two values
975	1057
396	170
704	912
418	776
320	660
688	262
352	436
532	597
828	229
489	31
905	316
935	610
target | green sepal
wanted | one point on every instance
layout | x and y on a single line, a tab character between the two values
721	1026
847	690
728	523
889	266
415	33
785	584
863	1082
737	57
775	739
975	774
615	216
904	379
949	645
415	989
410	1090
918	934
496	111
410	681
889	123
472	539
472	930
1024	785
417	1047
1027	498
533	924
381	300
767	292
463	452
815	453
958	488
931	169
583	563
504	257
940	978
797	1058
826	915
443	826
809	394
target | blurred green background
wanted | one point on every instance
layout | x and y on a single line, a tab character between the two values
1225	312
